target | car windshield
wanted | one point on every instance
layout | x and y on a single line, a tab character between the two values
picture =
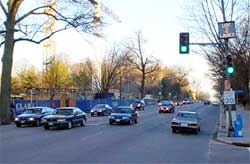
187	115
64	111
100	106
123	110
33	111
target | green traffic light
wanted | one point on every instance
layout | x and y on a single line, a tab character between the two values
230	70
184	49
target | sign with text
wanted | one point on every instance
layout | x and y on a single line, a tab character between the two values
229	97
227	30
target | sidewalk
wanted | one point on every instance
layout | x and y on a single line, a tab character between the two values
222	131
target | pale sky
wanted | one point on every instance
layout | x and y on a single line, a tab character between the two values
160	21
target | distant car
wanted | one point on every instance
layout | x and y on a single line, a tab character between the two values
185	120
123	115
207	102
32	116
138	105
186	101
101	110
65	117
215	103
166	107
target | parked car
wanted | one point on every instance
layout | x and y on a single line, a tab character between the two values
65	117
185	120
123	115
32	116
138	105
166	107
101	110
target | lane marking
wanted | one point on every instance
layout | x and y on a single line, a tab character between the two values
91	136
248	149
94	124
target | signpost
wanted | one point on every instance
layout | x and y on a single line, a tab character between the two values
229	97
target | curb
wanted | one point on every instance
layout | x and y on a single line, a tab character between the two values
218	128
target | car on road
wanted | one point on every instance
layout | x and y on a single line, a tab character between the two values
186	101
32	116
65	117
166	107
178	103
186	120
123	115
138	105
101	110
206	102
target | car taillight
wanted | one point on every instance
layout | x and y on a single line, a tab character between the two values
193	124
174	123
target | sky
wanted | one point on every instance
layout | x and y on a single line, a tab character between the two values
161	21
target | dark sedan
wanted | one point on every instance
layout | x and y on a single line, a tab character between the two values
138	105
123	115
32	116
101	110
65	117
166	107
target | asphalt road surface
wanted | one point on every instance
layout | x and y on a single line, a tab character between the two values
149	141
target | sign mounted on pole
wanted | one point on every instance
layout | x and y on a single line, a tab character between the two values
227	30
229	97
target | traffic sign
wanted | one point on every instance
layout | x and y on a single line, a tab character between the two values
229	97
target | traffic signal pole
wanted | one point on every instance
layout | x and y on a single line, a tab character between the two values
228	79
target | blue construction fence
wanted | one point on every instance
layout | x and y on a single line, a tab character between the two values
85	105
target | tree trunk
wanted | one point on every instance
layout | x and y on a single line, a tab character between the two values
7	61
143	84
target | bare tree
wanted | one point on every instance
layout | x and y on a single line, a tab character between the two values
140	60
205	16
23	20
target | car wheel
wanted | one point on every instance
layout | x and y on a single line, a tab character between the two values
196	131
173	130
83	122
69	125
110	123
136	121
46	127
18	125
159	111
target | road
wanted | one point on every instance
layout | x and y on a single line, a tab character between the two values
149	141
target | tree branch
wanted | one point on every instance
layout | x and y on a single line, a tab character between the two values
4	10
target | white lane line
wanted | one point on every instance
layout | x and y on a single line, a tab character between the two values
94	124
248	149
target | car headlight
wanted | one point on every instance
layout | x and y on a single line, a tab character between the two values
138	105
32	119
16	119
99	110
91	111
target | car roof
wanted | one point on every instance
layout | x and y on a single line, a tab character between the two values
124	107
67	108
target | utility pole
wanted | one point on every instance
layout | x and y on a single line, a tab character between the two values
227	80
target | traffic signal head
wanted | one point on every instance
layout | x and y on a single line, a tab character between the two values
230	65
184	43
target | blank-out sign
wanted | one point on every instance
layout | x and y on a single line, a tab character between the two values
229	97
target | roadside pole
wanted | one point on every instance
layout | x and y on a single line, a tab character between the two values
228	79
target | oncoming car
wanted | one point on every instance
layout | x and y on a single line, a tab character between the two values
166	107
101	110
138	105
32	116
65	117
123	115
185	120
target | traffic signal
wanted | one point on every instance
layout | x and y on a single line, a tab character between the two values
184	43
230	65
